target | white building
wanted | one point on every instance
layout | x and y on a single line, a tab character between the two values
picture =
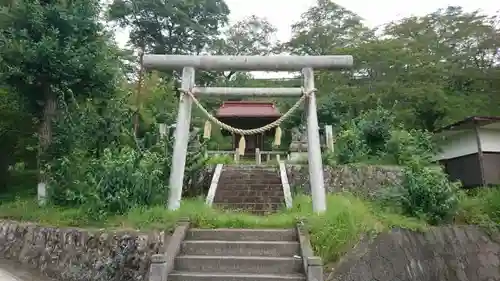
470	150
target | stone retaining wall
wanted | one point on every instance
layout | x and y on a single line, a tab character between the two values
362	180
71	254
455	253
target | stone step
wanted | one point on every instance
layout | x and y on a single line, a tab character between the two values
249	172
254	186
246	167
246	175
249	176
238	264
248	199
238	234
255	208
251	181
241	248
227	191
209	276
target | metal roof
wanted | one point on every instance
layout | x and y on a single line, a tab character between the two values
248	109
469	123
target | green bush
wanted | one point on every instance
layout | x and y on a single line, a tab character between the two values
375	127
350	147
372	137
404	145
112	184
425	192
364	137
124	178
220	159
482	207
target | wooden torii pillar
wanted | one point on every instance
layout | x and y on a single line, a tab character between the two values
188	64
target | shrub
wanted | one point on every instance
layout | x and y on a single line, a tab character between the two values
350	147
112	184
481	208
364	137
373	137
124	178
404	145
425	192
220	159
375	127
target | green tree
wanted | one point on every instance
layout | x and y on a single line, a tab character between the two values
170	27
430	70
251	36
326	27
55	51
458	54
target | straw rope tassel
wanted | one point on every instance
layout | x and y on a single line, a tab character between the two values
277	137
207	130
241	146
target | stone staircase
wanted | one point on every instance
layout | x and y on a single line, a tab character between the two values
254	189
239	255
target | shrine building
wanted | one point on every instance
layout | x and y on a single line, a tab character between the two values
248	115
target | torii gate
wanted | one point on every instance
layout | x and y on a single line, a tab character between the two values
246	63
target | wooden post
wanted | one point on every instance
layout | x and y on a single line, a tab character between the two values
41	190
480	154
236	156
257	156
329	137
316	180
268	157
181	141
162	130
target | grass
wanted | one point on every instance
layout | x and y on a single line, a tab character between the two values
332	233
481	207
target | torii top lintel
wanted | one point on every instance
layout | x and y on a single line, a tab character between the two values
248	63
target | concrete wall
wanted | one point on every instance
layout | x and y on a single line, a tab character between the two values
76	255
459	253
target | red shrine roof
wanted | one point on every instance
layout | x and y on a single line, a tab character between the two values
248	109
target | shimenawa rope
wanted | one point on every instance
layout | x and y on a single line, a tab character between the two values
246	132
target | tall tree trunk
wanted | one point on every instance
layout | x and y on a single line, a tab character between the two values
45	139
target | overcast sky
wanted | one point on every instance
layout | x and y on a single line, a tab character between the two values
283	13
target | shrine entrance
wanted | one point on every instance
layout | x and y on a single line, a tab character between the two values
190	94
